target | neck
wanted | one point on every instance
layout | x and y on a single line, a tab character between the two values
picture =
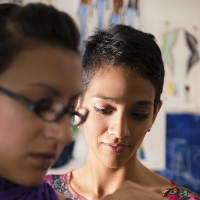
99	179
102	180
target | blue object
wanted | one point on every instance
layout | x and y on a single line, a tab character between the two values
183	150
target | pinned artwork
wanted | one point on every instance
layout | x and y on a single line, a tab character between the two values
169	40
180	48
192	45
172	89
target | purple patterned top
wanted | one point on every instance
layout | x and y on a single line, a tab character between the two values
13	191
61	183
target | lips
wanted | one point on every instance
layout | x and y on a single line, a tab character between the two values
46	158
115	148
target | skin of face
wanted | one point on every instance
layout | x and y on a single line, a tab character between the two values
43	71
121	112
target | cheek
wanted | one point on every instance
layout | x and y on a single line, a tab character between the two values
94	128
10	127
15	128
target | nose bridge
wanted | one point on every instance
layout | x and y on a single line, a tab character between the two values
60	130
119	125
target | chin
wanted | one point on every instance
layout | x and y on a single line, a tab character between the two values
114	164
31	179
118	161
32	183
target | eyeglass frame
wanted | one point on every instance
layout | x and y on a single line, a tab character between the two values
33	106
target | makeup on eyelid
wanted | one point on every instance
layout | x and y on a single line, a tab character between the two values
137	115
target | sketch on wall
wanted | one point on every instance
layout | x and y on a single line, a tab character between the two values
169	40
180	48
192	45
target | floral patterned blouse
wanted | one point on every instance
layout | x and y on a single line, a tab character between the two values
61	183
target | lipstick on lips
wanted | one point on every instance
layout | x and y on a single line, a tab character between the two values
46	158
115	148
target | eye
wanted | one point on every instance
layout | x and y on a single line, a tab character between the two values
45	104
49	106
102	111
139	116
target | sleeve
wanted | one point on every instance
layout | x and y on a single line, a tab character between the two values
178	192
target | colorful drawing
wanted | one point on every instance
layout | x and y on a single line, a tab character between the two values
172	89
168	43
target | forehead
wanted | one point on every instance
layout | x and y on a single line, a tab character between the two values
118	82
51	65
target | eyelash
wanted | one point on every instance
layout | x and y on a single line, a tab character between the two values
140	116
102	111
137	116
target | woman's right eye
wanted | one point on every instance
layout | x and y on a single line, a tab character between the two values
102	110
46	104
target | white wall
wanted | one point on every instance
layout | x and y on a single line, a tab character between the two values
178	10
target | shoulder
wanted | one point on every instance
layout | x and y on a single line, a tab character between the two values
179	192
61	184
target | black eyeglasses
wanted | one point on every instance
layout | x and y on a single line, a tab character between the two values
50	109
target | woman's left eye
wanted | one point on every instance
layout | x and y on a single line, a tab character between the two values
102	111
140	116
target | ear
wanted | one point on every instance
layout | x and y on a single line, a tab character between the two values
156	111
78	104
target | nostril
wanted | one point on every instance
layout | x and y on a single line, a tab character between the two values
119	130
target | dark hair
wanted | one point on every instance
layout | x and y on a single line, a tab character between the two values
23	26
121	45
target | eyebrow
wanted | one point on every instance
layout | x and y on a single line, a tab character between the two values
139	103
54	91
105	98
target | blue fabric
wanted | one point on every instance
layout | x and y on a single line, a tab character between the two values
115	19
131	15
83	19
101	8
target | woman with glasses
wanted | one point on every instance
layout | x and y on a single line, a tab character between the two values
123	76
40	81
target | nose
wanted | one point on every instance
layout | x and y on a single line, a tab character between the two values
119	127
59	131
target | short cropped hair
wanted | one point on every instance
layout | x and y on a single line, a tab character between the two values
121	45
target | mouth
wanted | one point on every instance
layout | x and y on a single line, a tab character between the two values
46	159
115	148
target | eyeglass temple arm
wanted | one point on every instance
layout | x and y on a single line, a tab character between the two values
31	105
